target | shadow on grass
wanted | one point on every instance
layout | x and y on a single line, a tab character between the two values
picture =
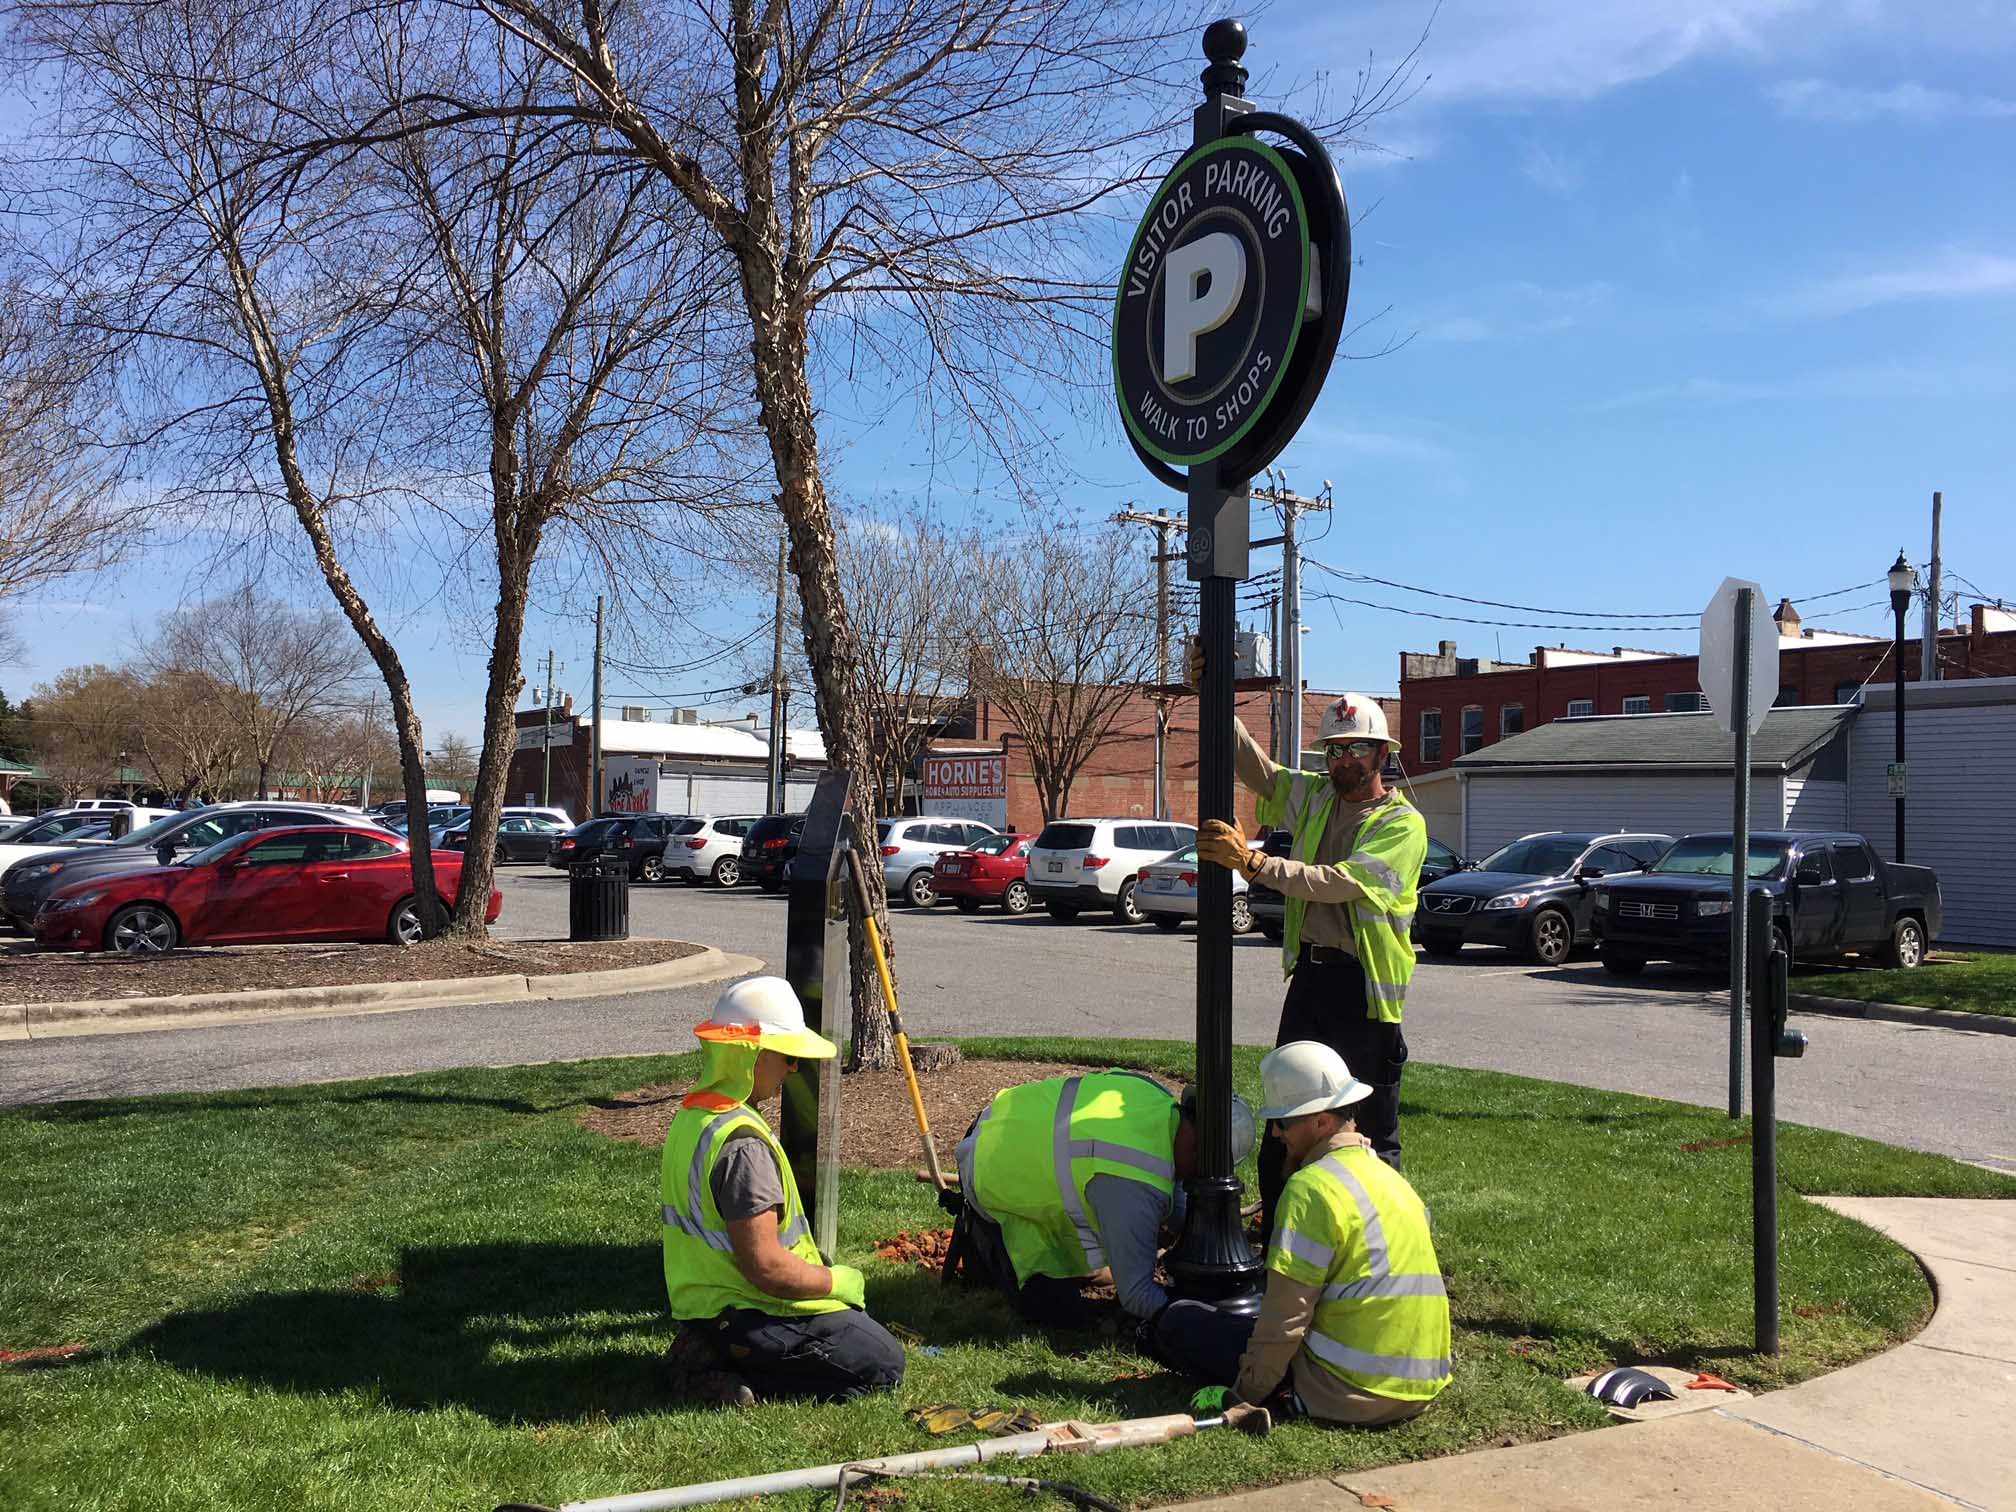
515	1332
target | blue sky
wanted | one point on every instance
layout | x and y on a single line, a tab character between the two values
1686	290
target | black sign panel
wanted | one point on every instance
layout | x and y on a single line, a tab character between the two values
1213	299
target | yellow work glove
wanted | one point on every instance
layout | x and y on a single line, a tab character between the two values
1226	844
849	1286
1193	661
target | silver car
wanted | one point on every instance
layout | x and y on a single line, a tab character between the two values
1166	891
910	849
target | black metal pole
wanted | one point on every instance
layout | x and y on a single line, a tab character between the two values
1764	1121
1898	602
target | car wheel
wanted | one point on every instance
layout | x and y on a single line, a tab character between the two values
1442	944
1273	931
1549	937
143	929
1168	923
728	871
404	929
1906	950
1242	914
919	890
1063	913
1015	897
500	857
1622	962
652	869
1124	906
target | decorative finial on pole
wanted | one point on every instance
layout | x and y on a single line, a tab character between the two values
1224	45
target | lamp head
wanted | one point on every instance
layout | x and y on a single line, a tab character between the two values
1900	578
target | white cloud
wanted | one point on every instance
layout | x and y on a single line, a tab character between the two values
1821	100
1559	173
1515	312
1949	272
1885	381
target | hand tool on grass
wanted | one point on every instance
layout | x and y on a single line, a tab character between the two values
895	1018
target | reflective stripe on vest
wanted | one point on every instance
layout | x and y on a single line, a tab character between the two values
1060	1162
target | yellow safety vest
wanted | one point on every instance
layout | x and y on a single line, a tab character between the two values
1385	862
701	1277
1350	1223
1039	1145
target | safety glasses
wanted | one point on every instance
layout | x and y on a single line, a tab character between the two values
1357	750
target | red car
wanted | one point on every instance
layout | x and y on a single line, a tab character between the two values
262	887
990	871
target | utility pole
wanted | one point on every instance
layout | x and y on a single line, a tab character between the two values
1928	659
1164	523
775	777
1289	656
546	776
595	729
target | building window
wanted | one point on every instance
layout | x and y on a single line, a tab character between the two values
1431	735
1581	708
1848	693
1638	703
1788	698
1511	719
1685	703
1473	729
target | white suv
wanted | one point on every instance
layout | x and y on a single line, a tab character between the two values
702	848
1077	864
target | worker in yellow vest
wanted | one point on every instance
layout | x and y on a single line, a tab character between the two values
760	1311
1354	1326
1349	885
1065	1179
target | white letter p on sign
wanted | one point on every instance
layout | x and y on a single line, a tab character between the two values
1204	280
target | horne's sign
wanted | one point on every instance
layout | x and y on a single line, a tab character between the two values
1212	302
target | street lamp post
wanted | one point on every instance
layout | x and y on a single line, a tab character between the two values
1900	597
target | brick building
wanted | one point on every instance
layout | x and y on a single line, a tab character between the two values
1452	706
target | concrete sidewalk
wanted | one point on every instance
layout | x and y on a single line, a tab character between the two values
1927	1425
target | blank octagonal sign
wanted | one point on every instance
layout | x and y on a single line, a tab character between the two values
1211	301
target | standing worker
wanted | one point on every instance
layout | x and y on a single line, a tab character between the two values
759	1311
1354	1326
1349	883
1065	1178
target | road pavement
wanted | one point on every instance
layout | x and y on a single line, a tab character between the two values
1664	1034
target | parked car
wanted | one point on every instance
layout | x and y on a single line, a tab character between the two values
1166	892
34	837
264	886
1830	894
770	846
990	870
707	848
909	848
639	837
27	882
559	816
520	837
1077	864
1534	896
1270	909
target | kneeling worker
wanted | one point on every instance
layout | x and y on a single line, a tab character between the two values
1354	1327
1068	1177
759	1312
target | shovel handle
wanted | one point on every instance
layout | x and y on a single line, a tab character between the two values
895	1018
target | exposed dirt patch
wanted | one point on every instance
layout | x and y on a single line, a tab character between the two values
877	1128
925	1247
31	976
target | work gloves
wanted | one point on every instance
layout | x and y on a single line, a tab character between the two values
1212	1400
849	1286
1224	842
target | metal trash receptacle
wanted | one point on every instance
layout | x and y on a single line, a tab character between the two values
598	898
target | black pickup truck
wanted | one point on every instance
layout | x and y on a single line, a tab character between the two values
1830	894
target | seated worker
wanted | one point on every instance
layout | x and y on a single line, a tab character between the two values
1354	1326
1065	1178
759	1312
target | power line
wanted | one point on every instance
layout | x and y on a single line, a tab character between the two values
1461	598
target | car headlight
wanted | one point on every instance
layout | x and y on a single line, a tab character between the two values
1602	900
1709	908
80	901
1509	900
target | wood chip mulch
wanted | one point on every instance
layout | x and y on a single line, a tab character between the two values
31	976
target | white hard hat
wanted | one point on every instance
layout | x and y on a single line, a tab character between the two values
1354	717
764	1011
1245	1128
1307	1076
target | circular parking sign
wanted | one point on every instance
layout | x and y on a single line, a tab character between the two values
1212	300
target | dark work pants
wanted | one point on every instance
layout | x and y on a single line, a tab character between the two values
1047	1301
1326	1002
832	1356
1201	1342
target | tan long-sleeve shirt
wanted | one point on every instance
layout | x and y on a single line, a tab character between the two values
1327	890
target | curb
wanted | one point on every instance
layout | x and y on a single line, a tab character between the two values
1898	1013
114	1015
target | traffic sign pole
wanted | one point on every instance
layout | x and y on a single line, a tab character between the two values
1739	852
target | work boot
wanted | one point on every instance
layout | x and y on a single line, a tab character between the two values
721	1388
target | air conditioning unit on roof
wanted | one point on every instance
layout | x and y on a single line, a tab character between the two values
637	713
686	716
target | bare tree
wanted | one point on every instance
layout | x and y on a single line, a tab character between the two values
1070	640
84	727
454	764
187	739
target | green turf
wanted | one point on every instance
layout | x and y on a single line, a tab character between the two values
438	1291
1966	983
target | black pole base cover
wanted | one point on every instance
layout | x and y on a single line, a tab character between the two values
1212	1262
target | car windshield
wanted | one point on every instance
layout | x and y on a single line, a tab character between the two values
1187	855
991	845
689	826
161	829
214	853
55	825
1536	856
595	829
1710	856
1066	836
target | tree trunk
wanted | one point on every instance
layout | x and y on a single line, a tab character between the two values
500	698
264	768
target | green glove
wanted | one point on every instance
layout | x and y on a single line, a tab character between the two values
1211	1401
849	1286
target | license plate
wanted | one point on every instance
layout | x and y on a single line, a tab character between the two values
955	868
1055	868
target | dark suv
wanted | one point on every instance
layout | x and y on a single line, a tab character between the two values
639	838
770	847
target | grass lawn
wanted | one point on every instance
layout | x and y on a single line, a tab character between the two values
1968	983
438	1291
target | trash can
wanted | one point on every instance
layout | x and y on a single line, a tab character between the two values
598	897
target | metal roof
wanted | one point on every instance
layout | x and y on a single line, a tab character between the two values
1790	737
